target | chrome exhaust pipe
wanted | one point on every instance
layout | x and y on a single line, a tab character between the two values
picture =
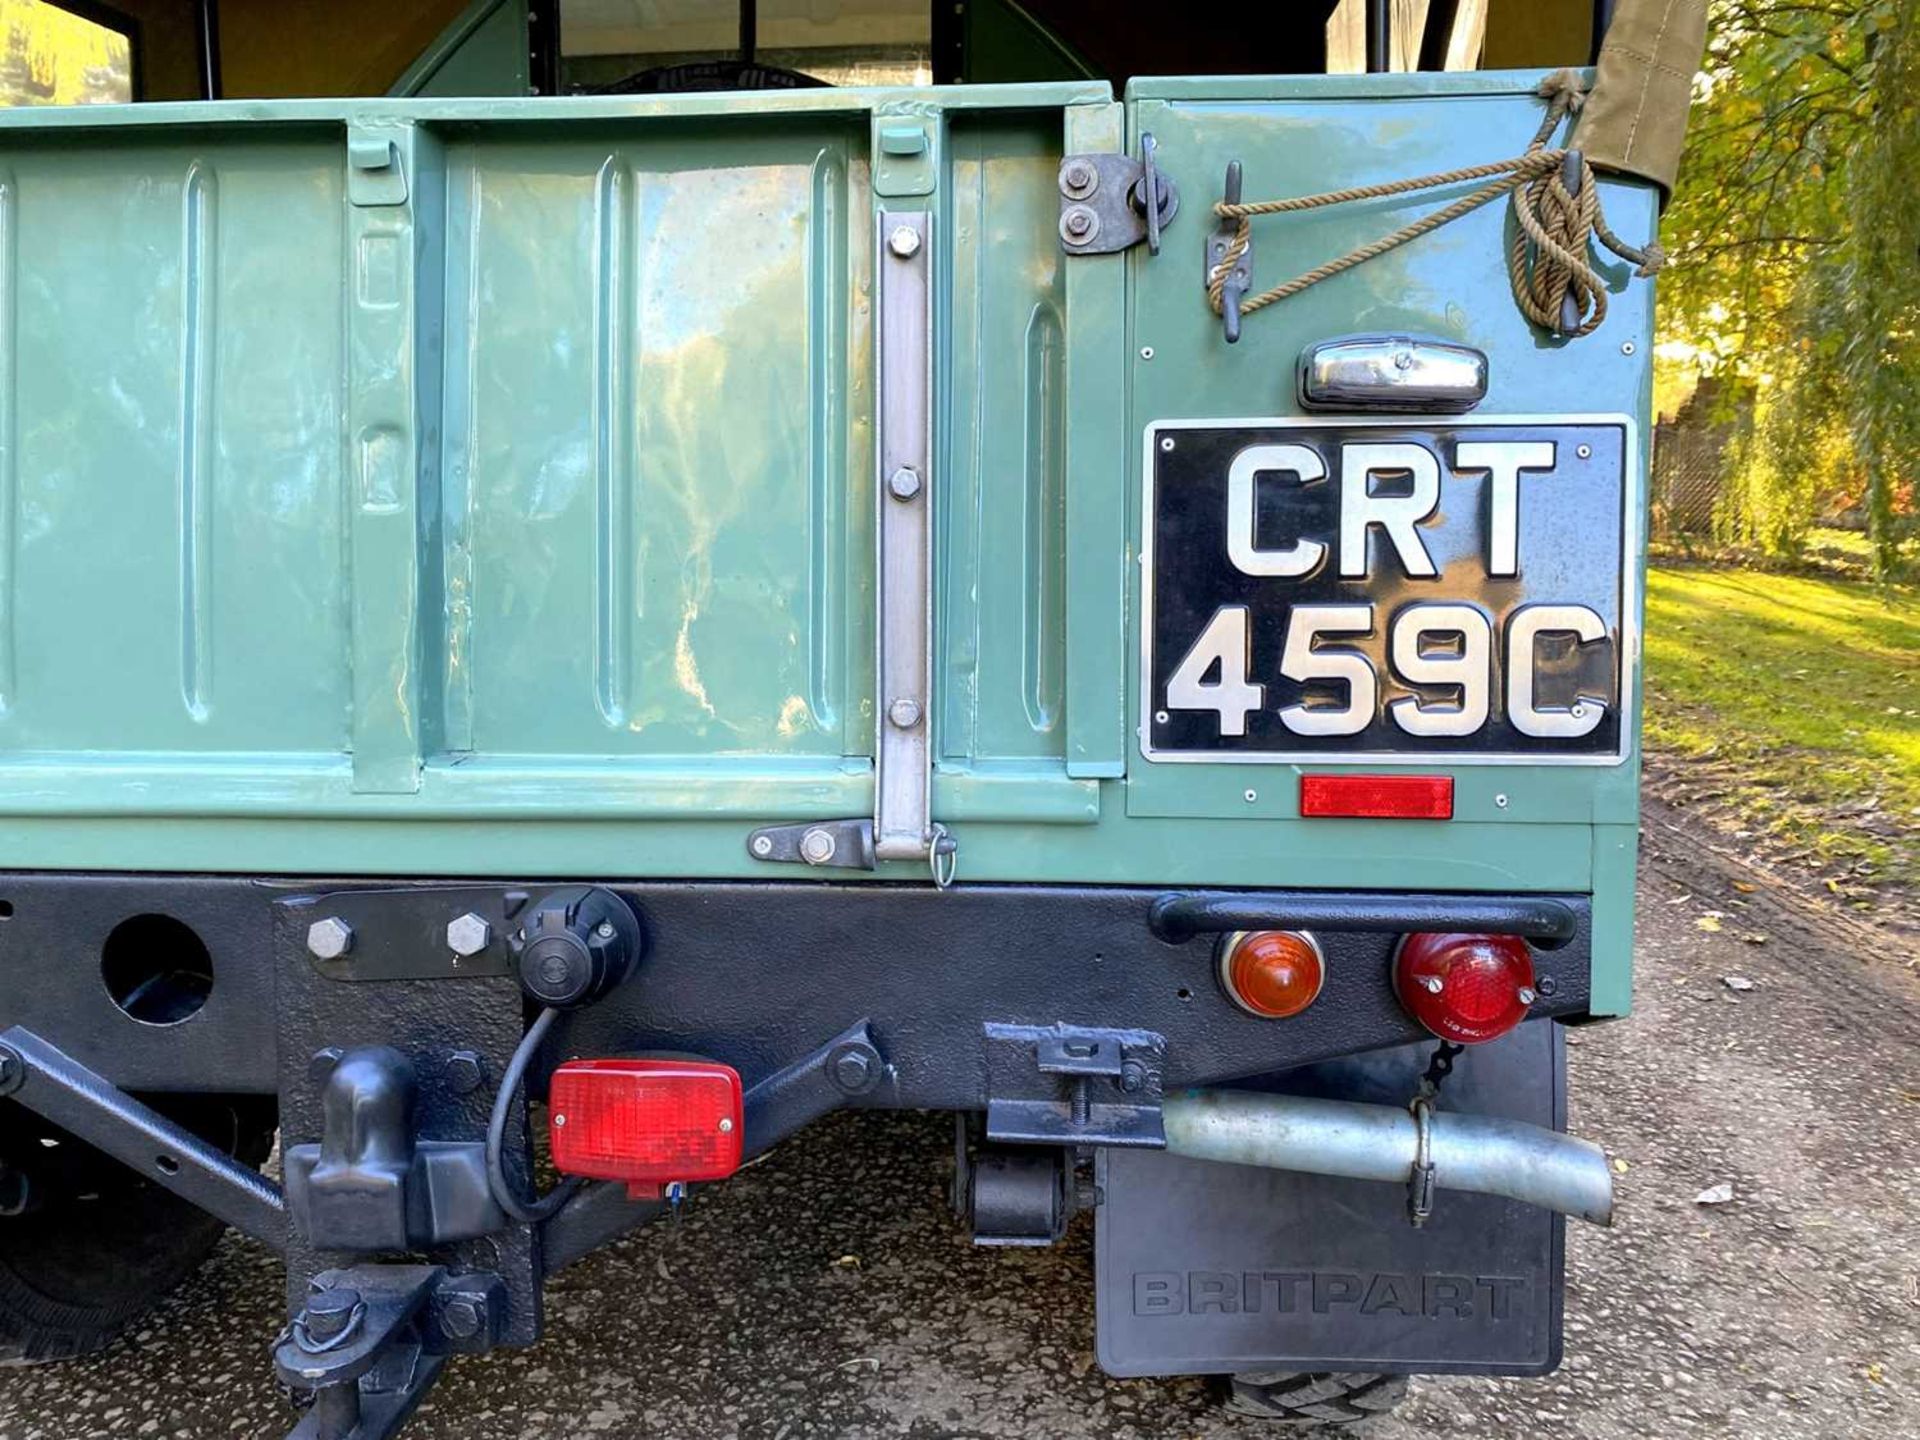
1481	1153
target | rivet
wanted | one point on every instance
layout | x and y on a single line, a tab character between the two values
1500	801
904	241
1166	442
1160	717
559	1121
1627	349
1146	352
763	845
1252	795
1585	452
604	929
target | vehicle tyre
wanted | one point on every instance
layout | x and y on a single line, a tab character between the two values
1307	1401
87	1246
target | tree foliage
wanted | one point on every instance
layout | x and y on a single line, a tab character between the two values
1795	235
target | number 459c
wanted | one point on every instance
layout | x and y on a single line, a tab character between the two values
1431	646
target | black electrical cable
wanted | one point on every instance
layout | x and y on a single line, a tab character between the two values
510	1083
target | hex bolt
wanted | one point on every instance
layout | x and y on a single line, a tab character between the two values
1079	225
904	241
468	935
904	714
1078	180
817	846
1547	985
462	1317
321	1064
330	938
904	483
466	1071
1133	1078
852	1068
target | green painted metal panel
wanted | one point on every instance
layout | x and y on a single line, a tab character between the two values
1003	648
483	52
655	453
174	471
1099	460
510	509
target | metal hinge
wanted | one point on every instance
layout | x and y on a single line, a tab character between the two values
1104	205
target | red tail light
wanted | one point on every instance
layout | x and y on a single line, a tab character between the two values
1272	973
1465	988
647	1122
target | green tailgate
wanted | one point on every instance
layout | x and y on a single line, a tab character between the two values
486	487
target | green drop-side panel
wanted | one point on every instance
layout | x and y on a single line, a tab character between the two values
481	487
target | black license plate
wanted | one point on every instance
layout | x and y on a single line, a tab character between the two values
1388	591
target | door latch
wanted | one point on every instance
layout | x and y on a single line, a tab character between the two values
1111	202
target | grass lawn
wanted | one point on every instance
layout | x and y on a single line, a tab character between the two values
1798	701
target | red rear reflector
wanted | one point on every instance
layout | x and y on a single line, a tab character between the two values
645	1121
1465	988
1376	797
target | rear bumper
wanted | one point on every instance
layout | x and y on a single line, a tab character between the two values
756	976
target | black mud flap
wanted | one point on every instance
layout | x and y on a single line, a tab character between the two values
1209	1268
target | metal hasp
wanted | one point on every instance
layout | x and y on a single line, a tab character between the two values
369	1185
1480	1153
1074	1085
365	1347
839	844
1397	373
1238	280
1111	202
52	1084
903	755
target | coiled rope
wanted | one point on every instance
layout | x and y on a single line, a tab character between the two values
1547	261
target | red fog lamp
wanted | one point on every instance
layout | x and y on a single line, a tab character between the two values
647	1122
1272	973
1465	988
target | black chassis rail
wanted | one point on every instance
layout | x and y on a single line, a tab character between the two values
1061	1013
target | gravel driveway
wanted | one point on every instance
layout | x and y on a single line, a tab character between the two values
826	1292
